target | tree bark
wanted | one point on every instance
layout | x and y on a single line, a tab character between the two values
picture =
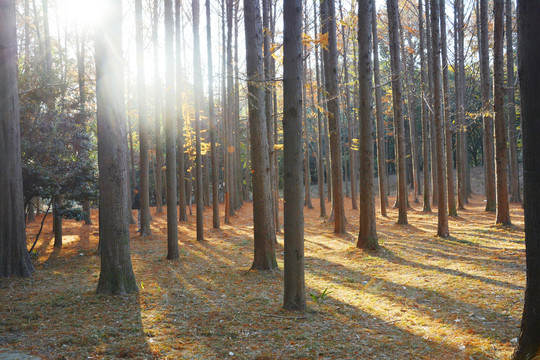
157	112
294	294
529	79
381	153
447	121
367	235
461	138
170	135
198	95
515	195
442	227
14	259
328	19
486	107
397	97
320	130
425	112
263	222
116	276
182	214
211	118
501	163
143	124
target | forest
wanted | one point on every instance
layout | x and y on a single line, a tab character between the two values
267	179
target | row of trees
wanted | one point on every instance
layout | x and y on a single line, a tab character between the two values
427	107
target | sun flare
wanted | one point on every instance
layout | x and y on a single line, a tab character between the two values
83	13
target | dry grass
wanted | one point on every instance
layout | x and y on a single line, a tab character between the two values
418	297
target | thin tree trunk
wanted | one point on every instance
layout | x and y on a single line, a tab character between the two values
320	130
501	164
173	251
157	112
442	227
430	102
515	195
307	170
182	214
211	119
381	157
425	112
198	95
294	294
461	138
348	114
447	121
486	108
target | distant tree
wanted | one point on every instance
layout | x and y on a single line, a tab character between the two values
170	135
529	79
515	195
182	213
294	296
425	111
197	73
157	111
381	151
263	221
328	19
397	97
442	227
485	79
213	155
367	236
14	259
461	137
116	276
501	147
143	124
320	120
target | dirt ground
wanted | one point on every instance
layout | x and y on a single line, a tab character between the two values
417	297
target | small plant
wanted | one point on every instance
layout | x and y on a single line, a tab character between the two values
320	298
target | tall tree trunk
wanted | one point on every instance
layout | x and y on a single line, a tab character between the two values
529	79
116	276
294	294
182	214
501	164
367	236
211	119
447	121
170	135
432	136
348	113
320	130
489	164
198	95
14	259
157	112
461	138
393	33
425	111
328	18
143	124
263	222
442	227
515	195
274	158
229	97
381	157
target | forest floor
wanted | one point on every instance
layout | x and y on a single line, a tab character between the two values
417	297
